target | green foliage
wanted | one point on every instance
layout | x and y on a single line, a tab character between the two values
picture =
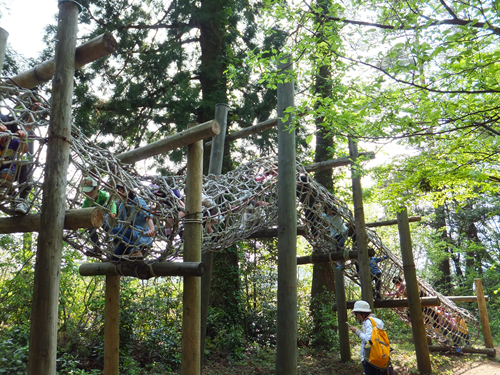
14	345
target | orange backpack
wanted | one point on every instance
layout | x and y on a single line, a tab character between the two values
377	349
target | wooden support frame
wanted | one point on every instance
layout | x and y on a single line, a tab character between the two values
91	217
257	128
112	326
334	256
483	314
359	220
491	352
191	296
335	163
384	223
188	137
302	230
44	312
142	270
101	46
412	290
396	303
286	331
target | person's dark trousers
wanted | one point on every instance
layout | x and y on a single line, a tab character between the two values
378	284
123	242
370	370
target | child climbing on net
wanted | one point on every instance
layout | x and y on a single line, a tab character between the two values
10	147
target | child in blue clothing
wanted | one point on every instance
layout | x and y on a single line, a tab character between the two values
376	275
135	229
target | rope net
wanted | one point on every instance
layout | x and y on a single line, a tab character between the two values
234	206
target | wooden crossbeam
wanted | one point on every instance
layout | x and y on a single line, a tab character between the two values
91	217
142	270
395	303
187	137
302	230
86	53
491	352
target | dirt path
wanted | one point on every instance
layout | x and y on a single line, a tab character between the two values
491	368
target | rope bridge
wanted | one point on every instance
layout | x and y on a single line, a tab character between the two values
235	206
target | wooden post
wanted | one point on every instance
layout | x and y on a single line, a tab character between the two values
194	134
191	300
215	168
415	307
91	217
483	314
359	221
345	347
112	326
88	52
44	312
4	35
286	348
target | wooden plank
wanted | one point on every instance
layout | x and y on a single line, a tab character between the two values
192	135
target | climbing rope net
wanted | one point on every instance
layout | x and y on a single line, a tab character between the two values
234	206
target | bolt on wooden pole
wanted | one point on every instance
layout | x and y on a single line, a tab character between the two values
415	307
44	312
112	326
359	220
286	349
483	314
191	300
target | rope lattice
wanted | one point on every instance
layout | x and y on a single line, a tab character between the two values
235	206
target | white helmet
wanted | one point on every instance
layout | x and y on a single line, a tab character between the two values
361	306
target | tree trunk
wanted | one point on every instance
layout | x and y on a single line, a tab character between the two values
323	281
444	264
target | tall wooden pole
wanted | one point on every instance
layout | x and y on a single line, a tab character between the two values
345	349
191	311
359	220
415	307
483	314
44	313
112	326
215	168
4	35
286	351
